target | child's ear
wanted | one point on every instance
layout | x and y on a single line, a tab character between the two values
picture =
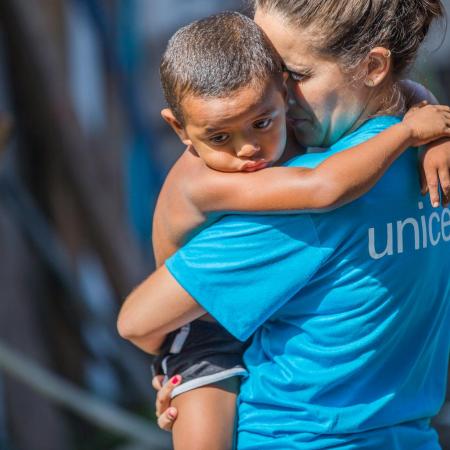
170	118
378	66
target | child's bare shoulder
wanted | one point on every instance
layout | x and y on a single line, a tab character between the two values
176	214
193	180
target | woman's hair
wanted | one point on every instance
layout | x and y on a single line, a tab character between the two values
216	56
348	29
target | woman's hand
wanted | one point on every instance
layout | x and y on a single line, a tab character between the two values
165	413
435	171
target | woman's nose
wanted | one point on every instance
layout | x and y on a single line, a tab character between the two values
248	150
295	97
291	101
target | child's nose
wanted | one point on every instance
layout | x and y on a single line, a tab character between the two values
248	150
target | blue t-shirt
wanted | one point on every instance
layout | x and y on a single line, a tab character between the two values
349	310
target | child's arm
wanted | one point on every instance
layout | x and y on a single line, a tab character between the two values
338	180
435	160
435	171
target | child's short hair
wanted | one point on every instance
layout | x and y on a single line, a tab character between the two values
215	56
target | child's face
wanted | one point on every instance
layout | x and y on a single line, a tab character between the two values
244	132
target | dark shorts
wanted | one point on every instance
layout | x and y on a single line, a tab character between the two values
202	353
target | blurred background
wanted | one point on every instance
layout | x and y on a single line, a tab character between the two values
83	153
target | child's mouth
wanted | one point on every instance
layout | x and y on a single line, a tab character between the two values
252	166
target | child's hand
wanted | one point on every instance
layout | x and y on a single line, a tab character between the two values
435	171
165	413
426	123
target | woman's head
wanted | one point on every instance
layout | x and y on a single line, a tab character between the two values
344	56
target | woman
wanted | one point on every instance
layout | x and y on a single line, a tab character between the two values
350	308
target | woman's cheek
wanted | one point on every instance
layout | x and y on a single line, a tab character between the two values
339	124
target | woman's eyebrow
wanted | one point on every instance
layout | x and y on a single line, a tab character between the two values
295	68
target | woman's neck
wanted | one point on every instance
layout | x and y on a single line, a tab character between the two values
389	101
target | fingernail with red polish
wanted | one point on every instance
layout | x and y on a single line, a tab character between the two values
175	379
171	414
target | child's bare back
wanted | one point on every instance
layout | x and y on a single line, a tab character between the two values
176	216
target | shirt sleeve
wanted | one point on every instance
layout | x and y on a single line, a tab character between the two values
244	268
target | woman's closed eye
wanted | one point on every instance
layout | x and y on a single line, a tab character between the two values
297	76
263	123
219	139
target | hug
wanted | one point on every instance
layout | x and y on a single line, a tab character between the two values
284	313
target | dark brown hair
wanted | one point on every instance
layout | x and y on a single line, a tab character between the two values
348	29
216	56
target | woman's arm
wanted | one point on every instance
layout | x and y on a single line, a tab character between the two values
338	180
156	307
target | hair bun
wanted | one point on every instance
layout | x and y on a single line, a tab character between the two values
414	18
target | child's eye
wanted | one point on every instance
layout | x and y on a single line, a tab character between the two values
261	124
219	138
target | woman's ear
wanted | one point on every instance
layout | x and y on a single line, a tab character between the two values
170	118
378	66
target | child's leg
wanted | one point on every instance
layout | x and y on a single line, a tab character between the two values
206	417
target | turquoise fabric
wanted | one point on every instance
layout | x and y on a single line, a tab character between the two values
349	310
